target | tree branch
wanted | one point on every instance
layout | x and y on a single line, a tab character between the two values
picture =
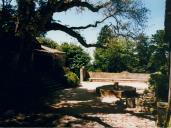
3	4
77	3
91	25
57	26
123	30
46	12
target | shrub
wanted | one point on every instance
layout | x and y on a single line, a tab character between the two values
159	83
76	57
72	78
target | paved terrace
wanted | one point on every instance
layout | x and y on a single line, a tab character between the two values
80	107
140	86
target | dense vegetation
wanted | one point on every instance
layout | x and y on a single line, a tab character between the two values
146	54
159	63
119	54
76	57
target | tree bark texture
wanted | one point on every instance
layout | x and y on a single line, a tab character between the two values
168	40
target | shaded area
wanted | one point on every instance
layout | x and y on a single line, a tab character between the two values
79	101
77	107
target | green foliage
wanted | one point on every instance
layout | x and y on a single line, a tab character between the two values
152	53
7	16
72	51
36	16
147	55
72	78
117	56
159	55
76	57
105	35
159	83
48	42
144	52
158	63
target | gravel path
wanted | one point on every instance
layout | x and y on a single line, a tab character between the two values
81	108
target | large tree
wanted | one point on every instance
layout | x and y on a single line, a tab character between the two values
21	21
35	17
117	56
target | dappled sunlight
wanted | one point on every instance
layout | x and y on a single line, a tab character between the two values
79	101
81	121
72	103
78	107
125	120
109	99
81	107
93	85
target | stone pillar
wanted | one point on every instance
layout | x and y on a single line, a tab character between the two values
82	74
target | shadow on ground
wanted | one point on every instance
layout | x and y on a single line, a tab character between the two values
70	108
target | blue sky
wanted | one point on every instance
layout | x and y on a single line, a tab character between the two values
73	18
156	17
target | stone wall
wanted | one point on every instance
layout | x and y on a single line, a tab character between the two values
123	76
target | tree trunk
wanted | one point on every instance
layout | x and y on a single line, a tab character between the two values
168	40
27	46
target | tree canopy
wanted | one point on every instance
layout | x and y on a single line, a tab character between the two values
76	57
159	49
35	17
118	55
146	54
48	42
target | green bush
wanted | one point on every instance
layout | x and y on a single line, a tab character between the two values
75	57
159	83
72	78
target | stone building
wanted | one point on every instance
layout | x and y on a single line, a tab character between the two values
46	59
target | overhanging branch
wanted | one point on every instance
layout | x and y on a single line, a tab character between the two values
74	3
57	26
45	13
91	25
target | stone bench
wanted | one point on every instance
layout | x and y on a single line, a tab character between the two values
122	92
